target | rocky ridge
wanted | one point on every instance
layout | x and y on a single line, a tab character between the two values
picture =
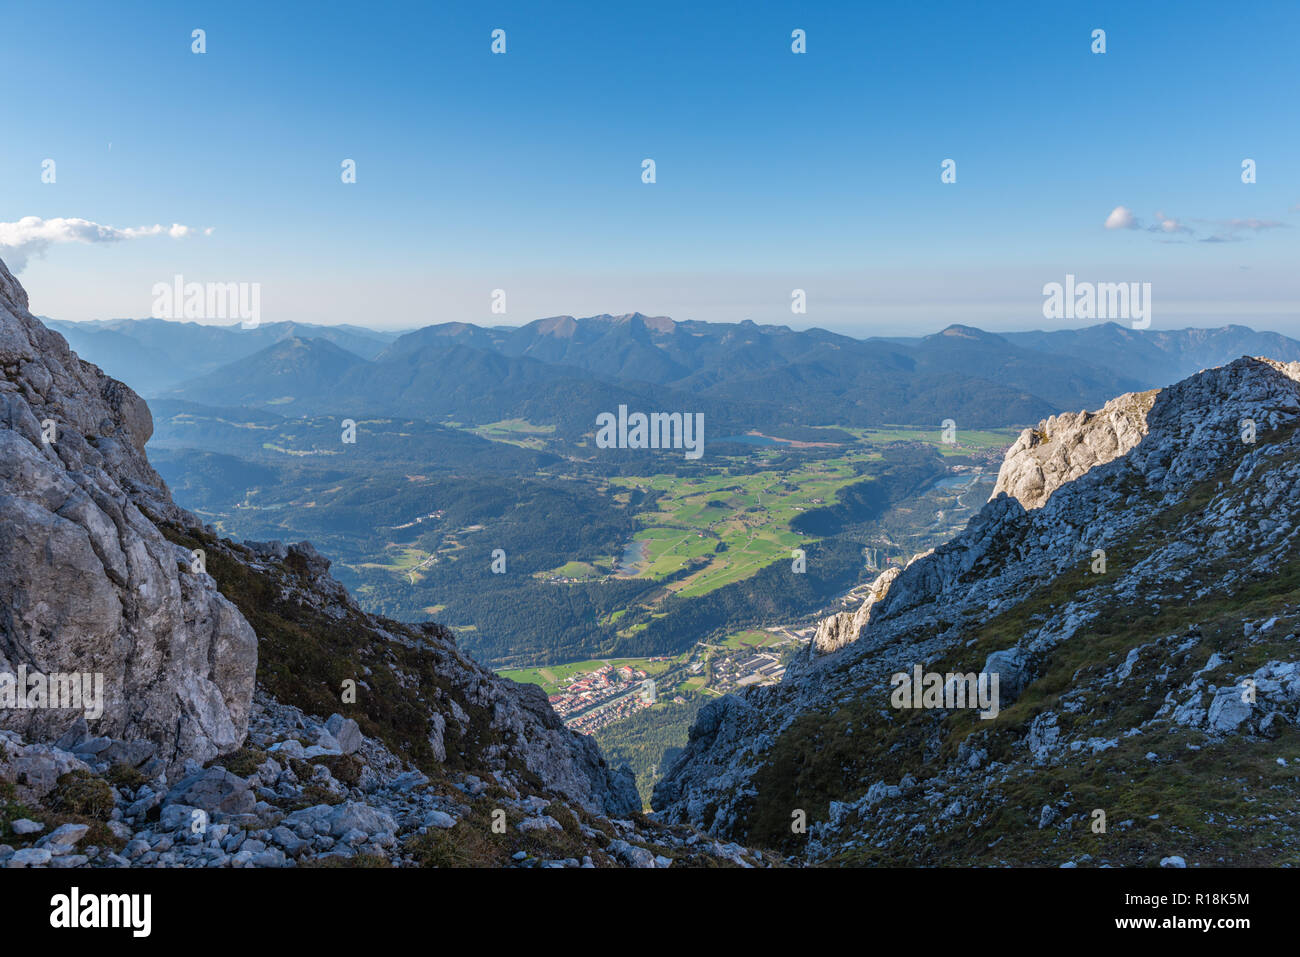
1145	579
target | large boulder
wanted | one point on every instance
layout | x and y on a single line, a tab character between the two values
1229	708
214	790
345	731
362	817
1011	665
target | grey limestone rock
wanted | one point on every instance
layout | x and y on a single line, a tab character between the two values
88	582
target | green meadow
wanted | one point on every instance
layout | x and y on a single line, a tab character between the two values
734	524
966	440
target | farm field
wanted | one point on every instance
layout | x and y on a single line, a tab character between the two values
966	440
402	560
753	638
732	524
591	570
518	432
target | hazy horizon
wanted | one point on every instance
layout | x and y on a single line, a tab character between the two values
930	328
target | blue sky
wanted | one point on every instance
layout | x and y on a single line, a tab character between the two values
774	170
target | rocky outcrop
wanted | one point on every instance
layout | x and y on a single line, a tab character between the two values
1061	449
1066	446
87	582
836	631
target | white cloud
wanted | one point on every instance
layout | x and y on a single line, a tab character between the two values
32	236
1168	224
1225	230
1121	217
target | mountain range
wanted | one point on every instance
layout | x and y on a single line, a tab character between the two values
562	371
154	354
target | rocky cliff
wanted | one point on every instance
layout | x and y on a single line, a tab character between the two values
252	714
1135	587
87	582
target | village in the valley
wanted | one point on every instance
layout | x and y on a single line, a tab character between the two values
606	691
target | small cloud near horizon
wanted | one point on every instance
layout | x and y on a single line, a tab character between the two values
1225	230
31	236
1168	224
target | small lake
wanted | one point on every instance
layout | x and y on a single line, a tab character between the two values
635	555
962	481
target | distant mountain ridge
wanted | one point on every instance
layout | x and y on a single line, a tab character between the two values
154	354
1167	355
563	370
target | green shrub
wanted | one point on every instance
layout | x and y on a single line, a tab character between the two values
124	776
242	763
344	767
80	792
